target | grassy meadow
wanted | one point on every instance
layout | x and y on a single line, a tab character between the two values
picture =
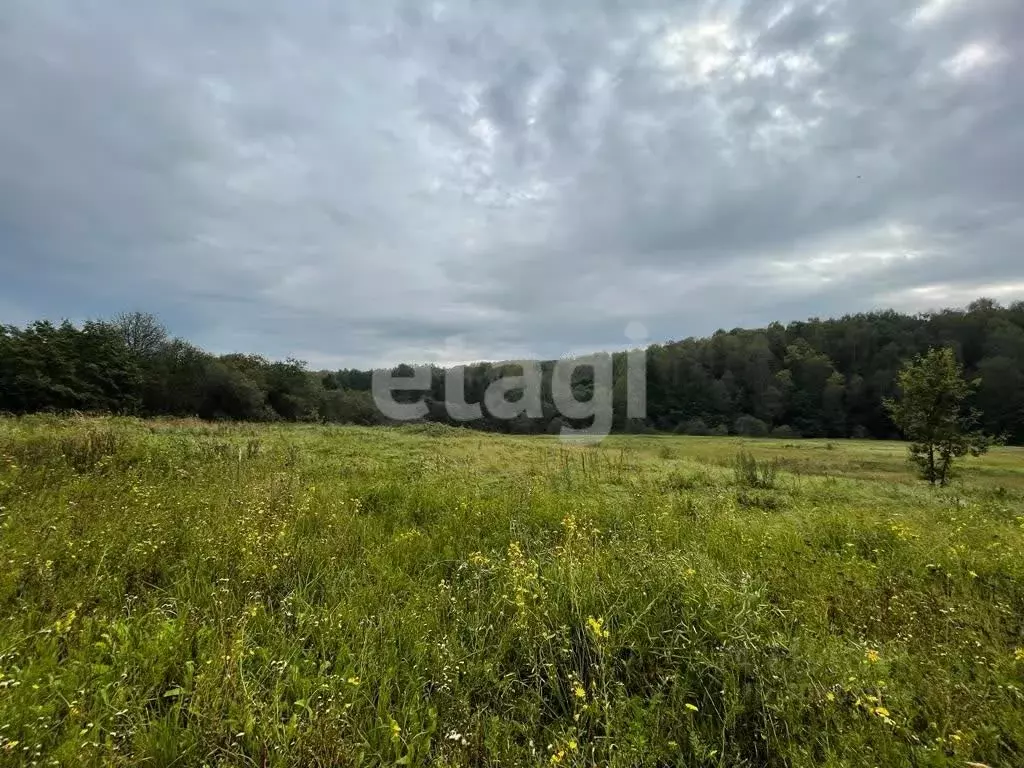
183	593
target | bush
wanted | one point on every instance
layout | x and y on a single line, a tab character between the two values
785	432
227	393
751	426
347	407
695	427
688	481
720	431
752	473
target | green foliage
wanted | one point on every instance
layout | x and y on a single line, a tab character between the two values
177	592
751	426
753	473
45	367
819	378
931	412
348	407
695	427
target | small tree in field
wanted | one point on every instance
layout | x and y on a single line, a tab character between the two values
931	413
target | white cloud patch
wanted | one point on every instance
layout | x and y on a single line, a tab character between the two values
934	10
697	53
942	295
970	59
850	257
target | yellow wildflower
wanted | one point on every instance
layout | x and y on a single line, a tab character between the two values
479	559
580	692
597	627
872	656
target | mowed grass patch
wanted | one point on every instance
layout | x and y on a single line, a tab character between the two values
183	593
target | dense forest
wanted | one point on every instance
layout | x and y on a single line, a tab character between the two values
818	378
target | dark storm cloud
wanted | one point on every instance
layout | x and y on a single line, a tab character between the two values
363	183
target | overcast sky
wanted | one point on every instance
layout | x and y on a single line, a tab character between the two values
356	183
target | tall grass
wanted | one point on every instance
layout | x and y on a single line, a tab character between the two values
178	594
753	473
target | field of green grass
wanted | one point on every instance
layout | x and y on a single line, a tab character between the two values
181	593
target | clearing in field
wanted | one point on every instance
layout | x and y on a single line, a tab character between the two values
181	593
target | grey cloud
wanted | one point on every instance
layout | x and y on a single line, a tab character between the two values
454	180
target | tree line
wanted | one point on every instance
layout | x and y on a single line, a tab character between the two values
815	378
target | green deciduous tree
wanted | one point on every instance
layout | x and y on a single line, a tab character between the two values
931	412
47	367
